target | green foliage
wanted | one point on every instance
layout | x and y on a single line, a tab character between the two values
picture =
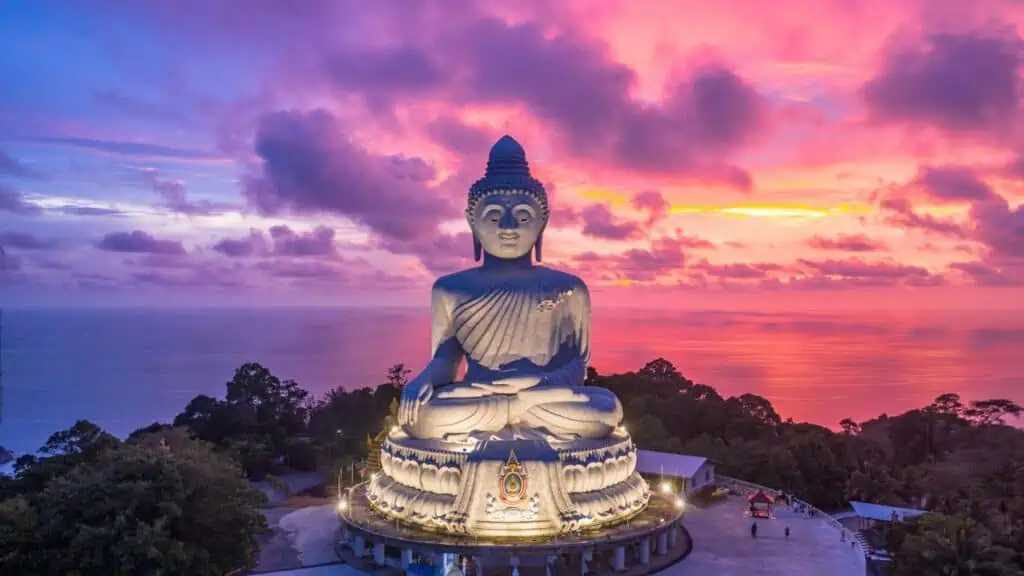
947	546
92	505
256	422
957	459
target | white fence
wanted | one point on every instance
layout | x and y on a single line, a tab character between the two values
846	535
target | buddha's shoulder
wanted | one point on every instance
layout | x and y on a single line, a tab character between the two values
473	279
457	281
559	278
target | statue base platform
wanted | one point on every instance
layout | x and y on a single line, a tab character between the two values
649	541
513	484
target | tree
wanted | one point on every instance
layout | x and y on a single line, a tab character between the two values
398	376
134	509
948	404
988	412
946	546
759	409
280	407
62	451
83	438
849	426
663	373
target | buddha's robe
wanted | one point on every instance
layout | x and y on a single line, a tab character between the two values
529	323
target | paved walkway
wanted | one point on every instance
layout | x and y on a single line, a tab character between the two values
302	537
295	481
722	545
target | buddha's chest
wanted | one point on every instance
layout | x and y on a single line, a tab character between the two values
506	323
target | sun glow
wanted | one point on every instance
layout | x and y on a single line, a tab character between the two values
772	211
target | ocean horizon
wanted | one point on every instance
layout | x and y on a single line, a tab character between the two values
126	368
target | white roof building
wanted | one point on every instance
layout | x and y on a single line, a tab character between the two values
883	513
695	471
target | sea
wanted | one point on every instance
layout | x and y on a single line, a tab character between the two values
124	369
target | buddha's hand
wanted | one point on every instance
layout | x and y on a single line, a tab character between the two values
512	385
415	394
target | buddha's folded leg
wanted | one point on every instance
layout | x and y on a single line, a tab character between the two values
442	416
595	418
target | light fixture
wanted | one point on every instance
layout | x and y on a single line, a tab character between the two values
679	502
666	488
342	505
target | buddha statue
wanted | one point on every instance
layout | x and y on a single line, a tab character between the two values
518	446
523	328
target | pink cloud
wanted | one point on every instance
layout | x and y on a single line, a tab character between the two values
847	243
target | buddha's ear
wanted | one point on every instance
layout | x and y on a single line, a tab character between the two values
537	246
477	248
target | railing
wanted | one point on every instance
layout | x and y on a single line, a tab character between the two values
845	534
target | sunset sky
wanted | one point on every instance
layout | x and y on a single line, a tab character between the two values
737	154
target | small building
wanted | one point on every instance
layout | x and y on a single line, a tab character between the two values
866	515
678	473
761	504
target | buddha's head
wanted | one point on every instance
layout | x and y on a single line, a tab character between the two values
508	208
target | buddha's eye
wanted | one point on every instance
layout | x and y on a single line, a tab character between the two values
524	213
493	215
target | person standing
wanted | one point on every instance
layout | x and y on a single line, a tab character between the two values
753	529
787	532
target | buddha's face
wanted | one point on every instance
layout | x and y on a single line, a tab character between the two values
507	226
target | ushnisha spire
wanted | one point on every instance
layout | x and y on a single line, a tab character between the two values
508	172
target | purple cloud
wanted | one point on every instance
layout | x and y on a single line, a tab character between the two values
953	184
142	149
636	264
572	83
999	227
13	201
599	222
283	241
139	242
304	270
652	202
847	243
385	72
87	211
984	274
9	263
967	82
25	241
991	221
1015	169
318	242
441	254
12	167
736	271
244	247
309	165
175	197
199	276
577	86
460	137
898	211
857	268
